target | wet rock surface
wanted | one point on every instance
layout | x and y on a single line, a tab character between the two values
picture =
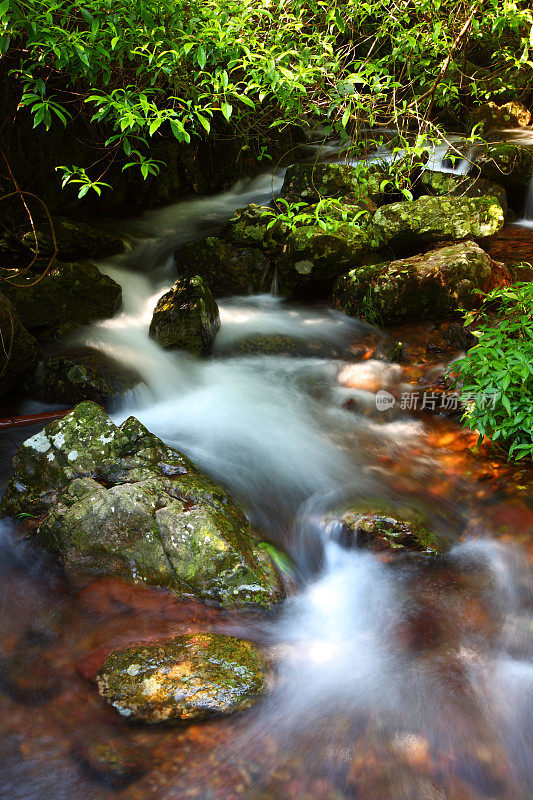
385	529
435	219
226	269
186	317
187	678
117	501
314	256
70	296
71	378
444	183
430	285
311	182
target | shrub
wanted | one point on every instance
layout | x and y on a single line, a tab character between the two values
497	373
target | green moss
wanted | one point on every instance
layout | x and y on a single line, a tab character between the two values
189	677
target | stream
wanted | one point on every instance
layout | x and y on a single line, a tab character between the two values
406	679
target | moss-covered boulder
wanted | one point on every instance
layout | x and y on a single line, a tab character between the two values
445	183
227	269
75	240
74	377
68	297
385	529
19	352
313	255
489	116
431	285
255	226
435	219
312	182
187	678
186	317
117	501
509	164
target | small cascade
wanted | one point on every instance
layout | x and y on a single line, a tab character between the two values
528	210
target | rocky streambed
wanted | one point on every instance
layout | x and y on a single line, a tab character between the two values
247	577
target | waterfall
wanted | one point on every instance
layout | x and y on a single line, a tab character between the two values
528	210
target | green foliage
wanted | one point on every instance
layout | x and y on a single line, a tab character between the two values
498	371
328	214
137	70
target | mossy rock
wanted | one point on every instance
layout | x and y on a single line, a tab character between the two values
315	256
75	240
19	353
312	182
431	285
489	117
255	226
118	501
188	678
68	297
445	183
226	269
74	377
186	317
384	528
435	219
510	165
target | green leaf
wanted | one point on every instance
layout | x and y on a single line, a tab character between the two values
227	110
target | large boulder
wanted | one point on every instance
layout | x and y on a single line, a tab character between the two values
68	297
431	285
508	164
19	352
75	240
187	678
313	255
312	182
435	219
490	116
445	183
256	226
227	269
186	317
73	377
117	501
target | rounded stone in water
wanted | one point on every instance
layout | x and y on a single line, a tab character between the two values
190	677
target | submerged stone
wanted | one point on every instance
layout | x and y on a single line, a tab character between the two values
110	761
118	501
186	317
431	285
435	219
226	269
188	678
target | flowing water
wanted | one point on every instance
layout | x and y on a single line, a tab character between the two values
401	679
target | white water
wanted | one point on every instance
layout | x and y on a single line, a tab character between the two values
527	219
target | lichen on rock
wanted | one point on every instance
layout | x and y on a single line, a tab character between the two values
187	678
118	501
